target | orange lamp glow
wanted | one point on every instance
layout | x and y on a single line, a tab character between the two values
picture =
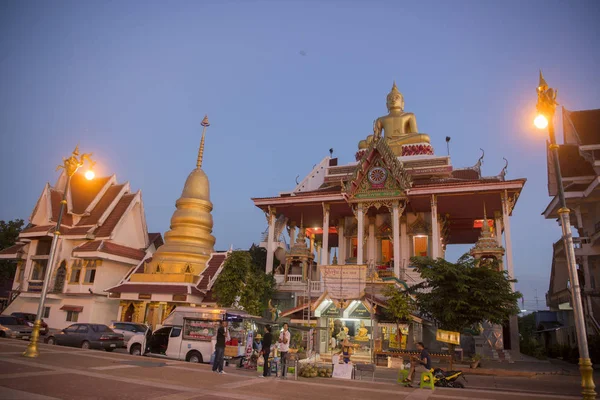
540	121
89	175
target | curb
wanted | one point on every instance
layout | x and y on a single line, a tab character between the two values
508	373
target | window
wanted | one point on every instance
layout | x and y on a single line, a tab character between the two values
72	328
38	270
46	312
387	250
8	321
82	329
176	331
76	272
90	272
72	316
43	248
420	246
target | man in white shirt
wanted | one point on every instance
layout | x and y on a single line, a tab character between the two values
284	347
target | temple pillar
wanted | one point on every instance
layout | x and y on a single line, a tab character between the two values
372	241
341	243
513	321
498	227
586	273
396	233
312	244
270	239
121	312
435	229
325	250
292	233
359	234
404	246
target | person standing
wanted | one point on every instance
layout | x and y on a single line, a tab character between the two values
284	348
220	348
421	364
266	350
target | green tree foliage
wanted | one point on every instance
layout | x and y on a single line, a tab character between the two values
460	295
400	306
243	284
9	233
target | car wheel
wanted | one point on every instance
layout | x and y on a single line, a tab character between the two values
109	350
135	350
2	334
194	357
51	341
458	385
85	345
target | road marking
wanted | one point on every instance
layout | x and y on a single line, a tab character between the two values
28	374
13	394
248	382
179	396
109	367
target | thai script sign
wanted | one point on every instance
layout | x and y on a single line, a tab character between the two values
344	282
447	337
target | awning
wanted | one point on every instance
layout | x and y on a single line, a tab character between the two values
72	308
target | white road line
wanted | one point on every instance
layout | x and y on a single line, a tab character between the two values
109	367
179	396
13	394
248	382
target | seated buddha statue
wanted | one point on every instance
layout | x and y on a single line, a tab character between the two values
362	335
399	127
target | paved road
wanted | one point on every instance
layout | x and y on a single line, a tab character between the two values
68	373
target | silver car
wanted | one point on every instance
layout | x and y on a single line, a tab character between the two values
10	327
128	329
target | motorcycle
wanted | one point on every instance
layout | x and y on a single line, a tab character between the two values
449	379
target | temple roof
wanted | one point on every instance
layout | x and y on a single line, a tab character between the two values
581	127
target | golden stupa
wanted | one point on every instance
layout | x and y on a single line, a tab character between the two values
189	243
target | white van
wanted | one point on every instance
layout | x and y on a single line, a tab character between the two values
189	333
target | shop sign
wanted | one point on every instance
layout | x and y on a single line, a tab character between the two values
360	312
179	297
344	282
143	296
332	311
447	337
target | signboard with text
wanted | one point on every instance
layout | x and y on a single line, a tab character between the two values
344	282
447	337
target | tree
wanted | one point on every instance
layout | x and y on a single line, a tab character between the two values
9	233
460	295
399	307
242	284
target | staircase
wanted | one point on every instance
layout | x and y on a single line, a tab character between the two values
13	295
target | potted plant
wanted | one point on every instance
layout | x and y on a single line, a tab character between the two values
475	359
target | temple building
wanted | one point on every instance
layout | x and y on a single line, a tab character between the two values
580	172
361	222
182	270
103	235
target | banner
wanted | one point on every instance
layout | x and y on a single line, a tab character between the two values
447	337
344	282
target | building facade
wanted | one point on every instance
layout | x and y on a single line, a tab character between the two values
103	236
364	220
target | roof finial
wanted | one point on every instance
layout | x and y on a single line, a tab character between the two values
204	123
542	83
485	227
301	235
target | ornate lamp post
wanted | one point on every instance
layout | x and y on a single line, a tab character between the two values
546	105
70	165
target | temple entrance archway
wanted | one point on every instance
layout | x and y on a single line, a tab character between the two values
61	276
129	313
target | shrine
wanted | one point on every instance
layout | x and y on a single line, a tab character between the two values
396	199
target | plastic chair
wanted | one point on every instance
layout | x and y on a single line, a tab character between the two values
402	375
427	380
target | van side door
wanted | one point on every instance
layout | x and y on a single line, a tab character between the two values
174	347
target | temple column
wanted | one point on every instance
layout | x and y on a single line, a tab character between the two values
270	239
292	233
404	245
312	244
498	227
586	273
359	234
341	244
435	229
396	233
372	241
325	250
513	321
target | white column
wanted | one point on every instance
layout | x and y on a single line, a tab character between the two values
498	227
405	244
325	250
513	321
396	233
270	240
435	229
341	244
312	244
372	241
292	233
360	218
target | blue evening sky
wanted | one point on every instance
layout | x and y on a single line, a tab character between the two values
282	82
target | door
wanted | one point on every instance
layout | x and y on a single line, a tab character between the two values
61	274
174	346
82	334
159	341
68	336
129	313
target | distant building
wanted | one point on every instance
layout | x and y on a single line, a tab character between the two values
579	159
103	236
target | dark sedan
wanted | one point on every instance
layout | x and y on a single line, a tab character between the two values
87	336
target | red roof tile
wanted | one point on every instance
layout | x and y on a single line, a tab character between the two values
572	163
115	216
56	198
211	270
101	206
92	245
146	288
586	126
12	250
83	191
469	174
77	230
156	239
104	246
38	228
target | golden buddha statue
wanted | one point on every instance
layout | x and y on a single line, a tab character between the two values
399	127
363	333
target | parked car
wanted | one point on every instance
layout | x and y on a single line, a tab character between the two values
11	327
29	319
128	329
87	336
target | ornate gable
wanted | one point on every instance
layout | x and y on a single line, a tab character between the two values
379	176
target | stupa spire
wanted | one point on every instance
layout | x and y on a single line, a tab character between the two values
204	124
486	227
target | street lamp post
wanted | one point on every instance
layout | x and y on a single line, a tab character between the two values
70	165
546	106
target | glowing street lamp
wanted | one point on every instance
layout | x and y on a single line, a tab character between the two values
546	105
70	165
89	174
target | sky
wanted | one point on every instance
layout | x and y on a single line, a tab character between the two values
283	82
